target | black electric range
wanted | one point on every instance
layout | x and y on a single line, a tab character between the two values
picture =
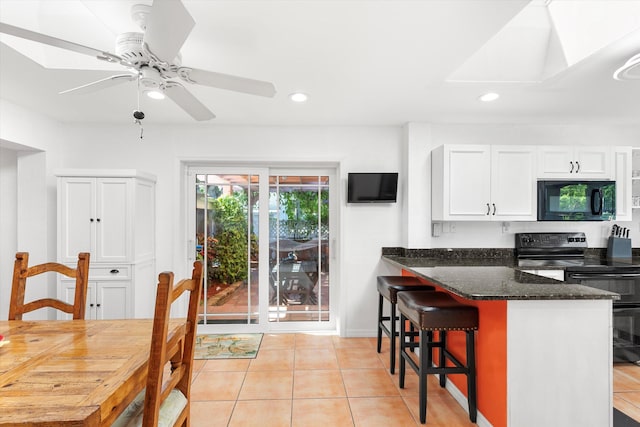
566	251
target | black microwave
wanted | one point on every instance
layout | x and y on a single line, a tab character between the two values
576	200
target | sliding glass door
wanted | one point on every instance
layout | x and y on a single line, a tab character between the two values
227	226
263	237
299	248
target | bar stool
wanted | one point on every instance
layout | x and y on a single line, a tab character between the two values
388	287
437	311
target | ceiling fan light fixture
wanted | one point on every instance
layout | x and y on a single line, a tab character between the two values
489	97
155	94
630	70
150	78
299	97
151	83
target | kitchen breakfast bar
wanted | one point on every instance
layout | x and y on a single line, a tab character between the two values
543	348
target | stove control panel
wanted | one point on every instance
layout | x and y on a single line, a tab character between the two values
551	240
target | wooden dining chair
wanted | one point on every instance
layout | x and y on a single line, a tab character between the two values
22	271
165	400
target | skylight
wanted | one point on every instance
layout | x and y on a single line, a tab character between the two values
548	37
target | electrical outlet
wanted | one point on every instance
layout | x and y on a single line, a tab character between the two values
452	228
436	229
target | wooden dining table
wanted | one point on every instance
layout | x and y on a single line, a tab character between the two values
71	373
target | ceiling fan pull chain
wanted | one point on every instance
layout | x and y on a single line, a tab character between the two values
137	114
138	91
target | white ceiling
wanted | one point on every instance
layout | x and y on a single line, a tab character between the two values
361	62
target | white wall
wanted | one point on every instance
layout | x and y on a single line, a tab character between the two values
8	232
422	138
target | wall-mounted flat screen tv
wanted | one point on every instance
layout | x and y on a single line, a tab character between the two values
372	187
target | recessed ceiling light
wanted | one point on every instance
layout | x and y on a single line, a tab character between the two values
298	97
489	96
155	94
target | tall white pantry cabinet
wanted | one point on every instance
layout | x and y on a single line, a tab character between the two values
111	215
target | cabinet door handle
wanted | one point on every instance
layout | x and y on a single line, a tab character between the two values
578	164
91	219
488	209
494	208
98	219
571	171
114	271
97	305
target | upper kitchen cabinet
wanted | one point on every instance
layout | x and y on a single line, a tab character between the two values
107	213
483	183
574	162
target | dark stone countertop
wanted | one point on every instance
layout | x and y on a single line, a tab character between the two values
479	278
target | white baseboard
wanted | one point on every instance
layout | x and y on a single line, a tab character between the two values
362	333
462	400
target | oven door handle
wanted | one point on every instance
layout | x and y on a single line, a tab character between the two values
625	306
579	276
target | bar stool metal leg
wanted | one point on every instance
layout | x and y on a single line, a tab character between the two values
391	330
441	359
425	363
402	345
471	376
392	357
380	300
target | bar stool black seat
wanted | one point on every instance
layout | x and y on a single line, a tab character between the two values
437	311
388	287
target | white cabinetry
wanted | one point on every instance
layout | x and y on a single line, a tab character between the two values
108	297
483	183
623	161
574	162
635	178
111	214
95	218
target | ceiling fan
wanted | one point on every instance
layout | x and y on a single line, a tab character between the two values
153	58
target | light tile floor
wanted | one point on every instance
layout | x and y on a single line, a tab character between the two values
318	380
314	380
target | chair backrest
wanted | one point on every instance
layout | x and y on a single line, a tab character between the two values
177	349
21	271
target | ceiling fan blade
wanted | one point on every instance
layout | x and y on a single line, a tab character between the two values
188	102
62	44
227	81
168	26
101	84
